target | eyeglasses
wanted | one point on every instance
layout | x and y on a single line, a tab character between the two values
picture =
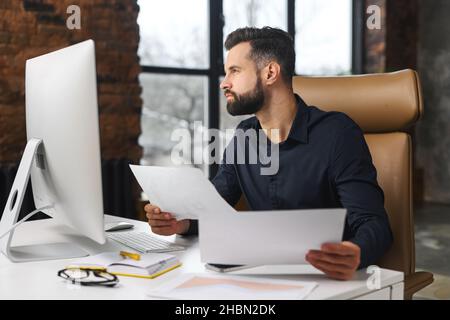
89	277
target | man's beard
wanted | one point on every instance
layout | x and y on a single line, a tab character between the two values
247	103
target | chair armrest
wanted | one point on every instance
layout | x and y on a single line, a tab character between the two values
416	281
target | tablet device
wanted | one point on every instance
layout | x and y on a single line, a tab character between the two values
225	267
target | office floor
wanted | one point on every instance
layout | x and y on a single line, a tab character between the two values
432	227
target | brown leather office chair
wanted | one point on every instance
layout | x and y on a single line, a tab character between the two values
383	105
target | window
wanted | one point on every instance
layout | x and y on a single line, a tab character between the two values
251	13
254	13
172	38
182	54
170	102
173	51
323	37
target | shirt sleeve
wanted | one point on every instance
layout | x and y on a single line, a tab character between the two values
226	181
227	185
355	179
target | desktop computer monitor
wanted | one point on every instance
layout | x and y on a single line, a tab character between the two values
63	151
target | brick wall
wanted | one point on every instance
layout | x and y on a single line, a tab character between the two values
33	27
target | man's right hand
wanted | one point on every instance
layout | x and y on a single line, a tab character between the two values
163	223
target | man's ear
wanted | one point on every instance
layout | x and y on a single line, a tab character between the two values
272	72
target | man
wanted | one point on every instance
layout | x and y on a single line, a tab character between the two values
324	161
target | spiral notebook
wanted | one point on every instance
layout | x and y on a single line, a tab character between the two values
149	265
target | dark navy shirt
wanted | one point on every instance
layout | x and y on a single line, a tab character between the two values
324	163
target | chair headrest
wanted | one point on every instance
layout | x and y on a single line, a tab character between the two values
377	102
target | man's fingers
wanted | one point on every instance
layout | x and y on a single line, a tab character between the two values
161	223
335	275
336	260
344	261
152	208
159	216
164	231
331	271
339	248
324	268
328	266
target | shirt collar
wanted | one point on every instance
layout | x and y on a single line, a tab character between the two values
299	129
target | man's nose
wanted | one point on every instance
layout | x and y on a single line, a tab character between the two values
225	84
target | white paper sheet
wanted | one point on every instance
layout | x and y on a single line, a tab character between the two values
217	287
268	237
184	192
230	237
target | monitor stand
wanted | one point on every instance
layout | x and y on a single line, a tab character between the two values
11	212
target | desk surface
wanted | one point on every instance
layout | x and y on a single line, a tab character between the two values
38	280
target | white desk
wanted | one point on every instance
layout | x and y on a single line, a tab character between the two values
38	280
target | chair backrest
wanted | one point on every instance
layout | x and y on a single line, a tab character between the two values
383	105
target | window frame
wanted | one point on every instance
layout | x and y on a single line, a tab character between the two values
216	22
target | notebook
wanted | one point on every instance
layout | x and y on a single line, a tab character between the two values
150	265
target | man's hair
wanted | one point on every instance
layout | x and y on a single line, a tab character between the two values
267	44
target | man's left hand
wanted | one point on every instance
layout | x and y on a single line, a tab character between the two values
337	260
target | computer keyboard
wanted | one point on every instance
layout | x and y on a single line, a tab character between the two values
143	242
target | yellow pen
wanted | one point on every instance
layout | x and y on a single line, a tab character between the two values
134	256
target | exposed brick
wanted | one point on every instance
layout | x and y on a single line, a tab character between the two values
33	27
8	94
5	37
20	39
5	60
37	5
12	121
46	18
5	5
7	50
